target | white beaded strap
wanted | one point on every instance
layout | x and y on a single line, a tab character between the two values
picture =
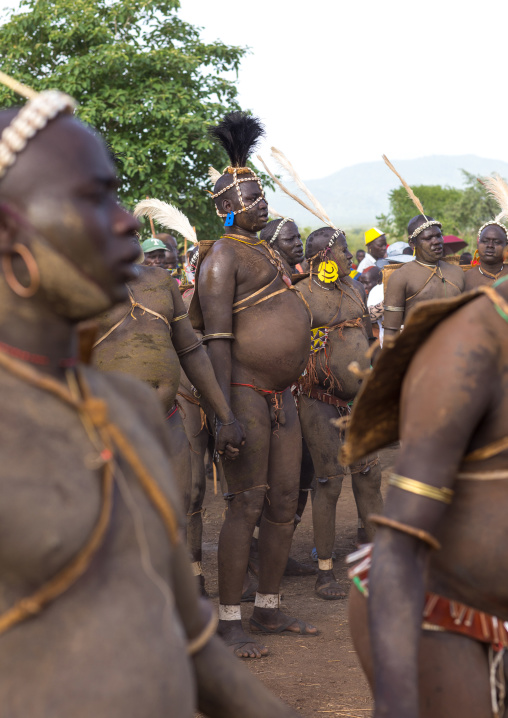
32	118
425	225
281	225
488	224
236	183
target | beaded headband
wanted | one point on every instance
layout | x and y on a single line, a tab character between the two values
281	225
31	119
488	224
498	189
424	226
235	171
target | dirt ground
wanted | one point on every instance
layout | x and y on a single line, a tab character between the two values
318	676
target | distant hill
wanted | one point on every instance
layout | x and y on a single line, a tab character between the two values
355	195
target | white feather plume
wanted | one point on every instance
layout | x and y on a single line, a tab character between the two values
294	196
167	216
286	165
498	189
273	213
214	175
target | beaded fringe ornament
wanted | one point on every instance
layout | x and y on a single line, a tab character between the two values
498	189
315	208
215	176
414	199
238	133
168	216
31	119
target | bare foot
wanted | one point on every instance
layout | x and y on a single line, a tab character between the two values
271	620
327	586
241	645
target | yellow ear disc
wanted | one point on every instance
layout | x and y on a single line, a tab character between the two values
328	272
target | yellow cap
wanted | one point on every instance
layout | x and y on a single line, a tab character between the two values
372	234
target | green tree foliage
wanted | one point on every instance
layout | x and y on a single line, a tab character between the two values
143	78
461	211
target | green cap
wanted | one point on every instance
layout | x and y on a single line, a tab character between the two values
152	244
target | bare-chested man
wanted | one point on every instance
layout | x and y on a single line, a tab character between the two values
99	614
150	337
258	333
438	588
341	334
491	247
428	277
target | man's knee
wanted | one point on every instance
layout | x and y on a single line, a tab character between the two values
280	506
328	487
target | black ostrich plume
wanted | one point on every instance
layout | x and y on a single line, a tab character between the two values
239	134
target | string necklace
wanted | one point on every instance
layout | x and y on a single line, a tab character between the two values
36	359
488	274
237	239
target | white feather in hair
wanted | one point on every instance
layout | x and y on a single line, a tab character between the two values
273	213
498	189
414	199
167	216
214	175
294	196
285	164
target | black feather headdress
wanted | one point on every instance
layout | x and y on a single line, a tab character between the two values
239	134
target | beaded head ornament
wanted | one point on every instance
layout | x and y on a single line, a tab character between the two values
316	208
498	189
281	224
414	199
238	133
31	119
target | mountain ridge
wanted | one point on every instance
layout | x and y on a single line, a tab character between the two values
353	196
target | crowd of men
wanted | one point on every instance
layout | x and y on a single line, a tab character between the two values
119	378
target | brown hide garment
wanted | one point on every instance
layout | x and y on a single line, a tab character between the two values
375	416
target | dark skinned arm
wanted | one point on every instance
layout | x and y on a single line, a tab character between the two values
217	284
395	296
199	370
444	373
226	689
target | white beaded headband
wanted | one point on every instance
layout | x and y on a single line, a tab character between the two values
498	189
424	226
283	221
31	119
236	183
492	222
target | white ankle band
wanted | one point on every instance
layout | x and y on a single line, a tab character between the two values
255	533
196	568
229	613
267	600
325	564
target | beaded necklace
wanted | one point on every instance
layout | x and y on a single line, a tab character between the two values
272	258
36	359
489	275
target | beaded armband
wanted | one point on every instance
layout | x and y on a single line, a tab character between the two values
187	350
405	529
177	319
417	487
394	309
218	335
197	644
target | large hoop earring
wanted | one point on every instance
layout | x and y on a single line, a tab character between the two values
32	268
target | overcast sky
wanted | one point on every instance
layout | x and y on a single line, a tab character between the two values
338	83
342	82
